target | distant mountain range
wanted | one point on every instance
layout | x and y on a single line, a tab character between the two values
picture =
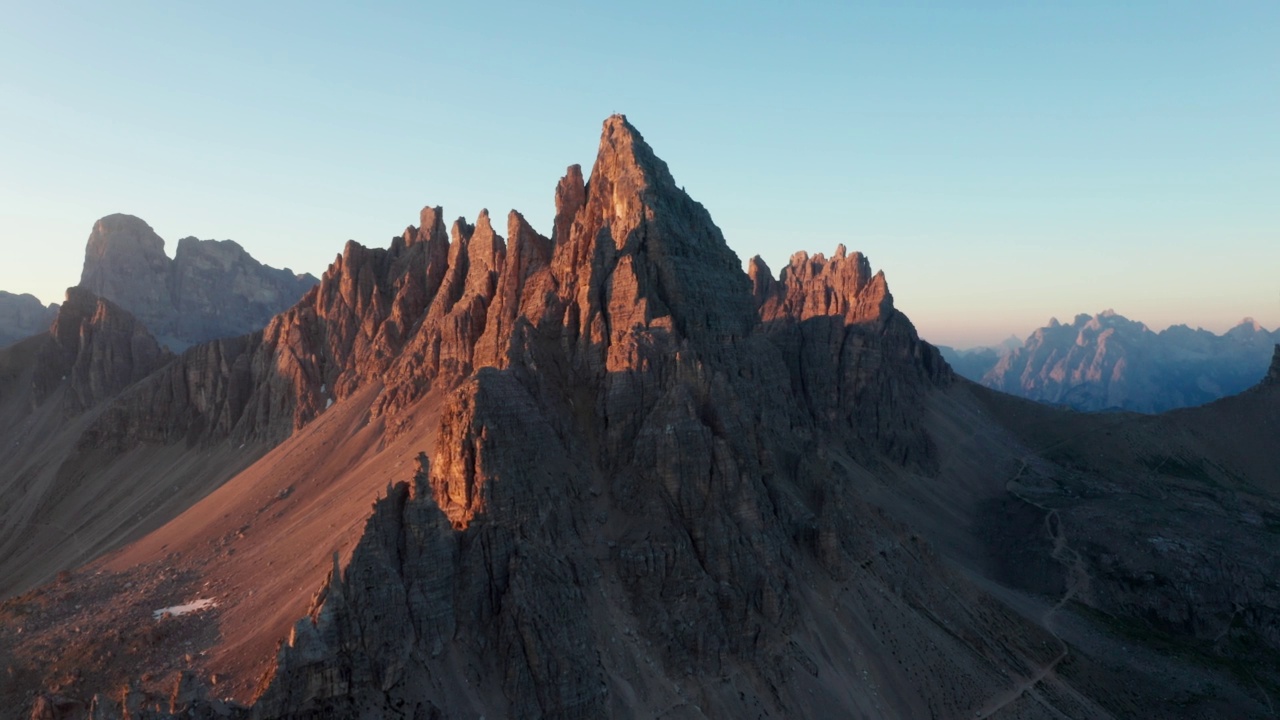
210	289
1107	361
973	363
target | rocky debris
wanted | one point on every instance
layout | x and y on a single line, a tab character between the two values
209	290
87	655
99	350
1171	534
1108	362
22	316
70	401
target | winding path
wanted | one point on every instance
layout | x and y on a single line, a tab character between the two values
1077	580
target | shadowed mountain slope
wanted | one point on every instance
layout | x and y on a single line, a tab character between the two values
68	493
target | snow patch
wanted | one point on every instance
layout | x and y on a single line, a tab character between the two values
177	610
328	403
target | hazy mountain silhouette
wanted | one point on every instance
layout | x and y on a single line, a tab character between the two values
1110	362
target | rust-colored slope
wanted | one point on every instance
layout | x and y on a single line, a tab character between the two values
261	542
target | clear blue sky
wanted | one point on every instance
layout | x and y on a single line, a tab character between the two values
1002	162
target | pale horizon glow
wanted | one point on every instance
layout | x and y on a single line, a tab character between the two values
1002	163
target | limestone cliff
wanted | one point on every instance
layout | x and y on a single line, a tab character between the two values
209	290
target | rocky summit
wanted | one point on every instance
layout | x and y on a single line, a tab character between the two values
608	473
209	290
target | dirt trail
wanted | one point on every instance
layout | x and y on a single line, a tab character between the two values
1077	581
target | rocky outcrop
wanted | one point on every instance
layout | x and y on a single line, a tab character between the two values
98	351
125	262
1109	362
505	602
209	290
1165	521
22	316
853	359
621	369
1273	372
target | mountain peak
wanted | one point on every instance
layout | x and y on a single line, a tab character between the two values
630	227
1248	324
626	164
127	235
124	261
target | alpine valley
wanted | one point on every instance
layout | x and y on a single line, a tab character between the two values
483	472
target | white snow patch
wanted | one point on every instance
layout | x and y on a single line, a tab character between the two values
193	606
328	403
